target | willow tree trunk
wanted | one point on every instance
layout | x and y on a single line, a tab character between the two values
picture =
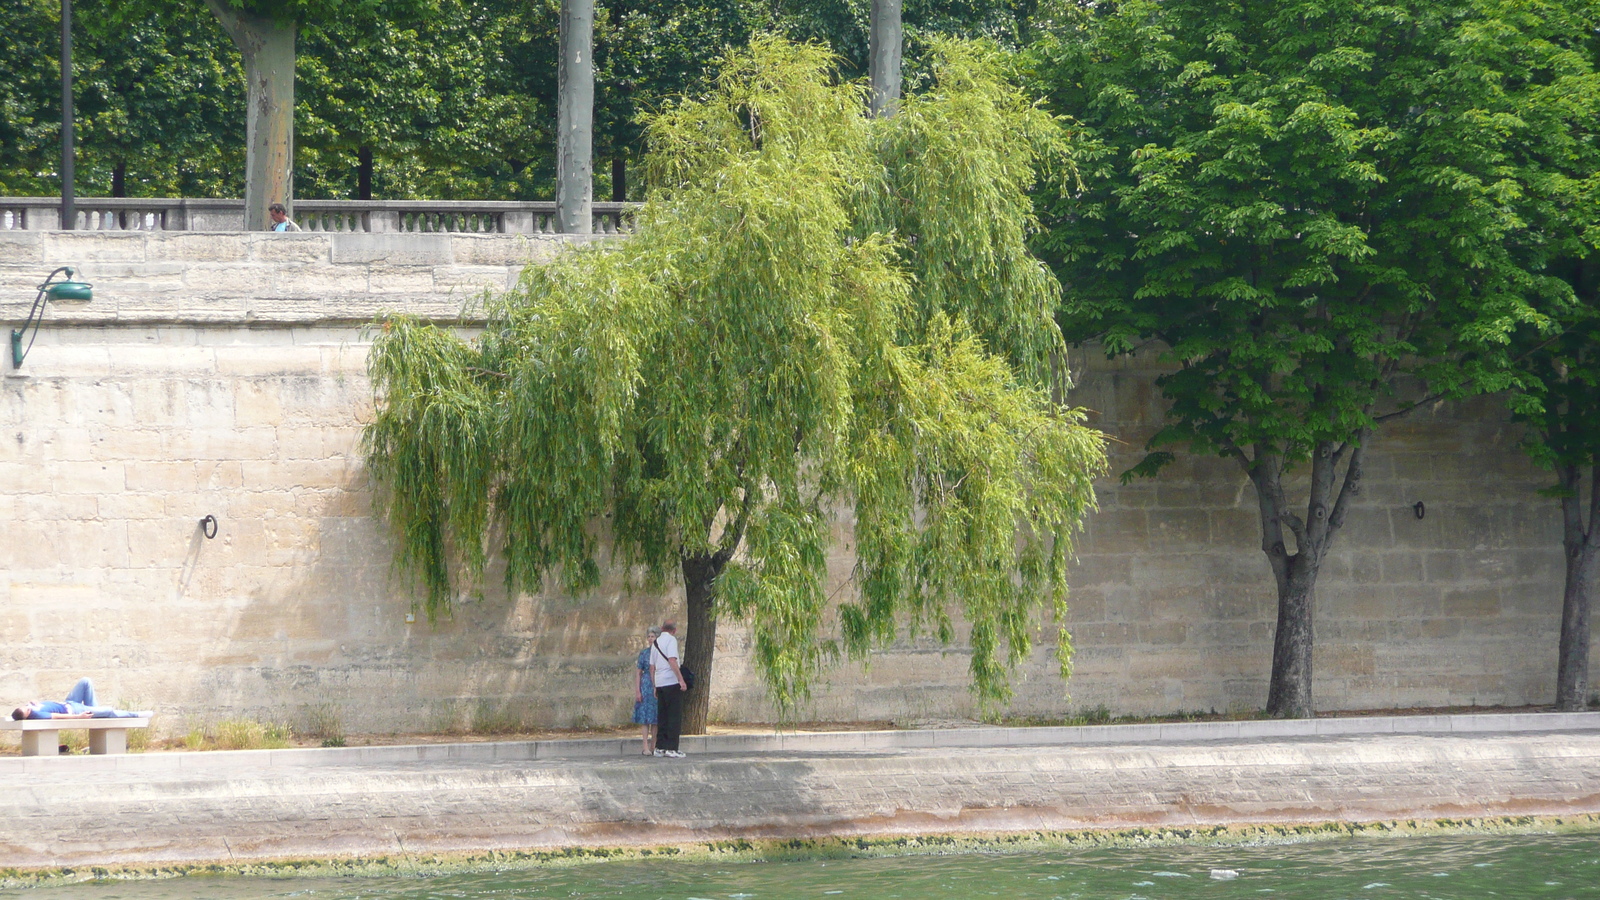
575	119
884	42
1583	569
268	49
1330	494
700	641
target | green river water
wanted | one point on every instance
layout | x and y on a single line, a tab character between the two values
1447	867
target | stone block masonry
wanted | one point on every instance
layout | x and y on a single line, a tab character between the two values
244	278
236	808
224	375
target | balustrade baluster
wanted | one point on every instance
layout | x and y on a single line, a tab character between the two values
324	216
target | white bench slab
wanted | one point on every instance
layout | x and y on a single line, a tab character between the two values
41	737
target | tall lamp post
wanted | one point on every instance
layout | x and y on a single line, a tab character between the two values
69	212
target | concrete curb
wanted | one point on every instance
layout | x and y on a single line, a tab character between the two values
824	742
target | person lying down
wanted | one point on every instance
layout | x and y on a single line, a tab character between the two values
78	705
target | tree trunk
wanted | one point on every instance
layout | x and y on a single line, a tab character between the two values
119	180
884	40
619	179
364	173
700	640
1289	693
575	123
1583	566
69	156
268	49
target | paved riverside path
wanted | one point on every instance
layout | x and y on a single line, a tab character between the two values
257	805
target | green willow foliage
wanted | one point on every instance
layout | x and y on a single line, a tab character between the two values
820	315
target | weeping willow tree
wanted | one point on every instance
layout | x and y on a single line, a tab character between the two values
821	314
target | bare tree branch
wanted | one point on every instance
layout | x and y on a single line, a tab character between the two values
1352	481
1593	530
734	533
1407	410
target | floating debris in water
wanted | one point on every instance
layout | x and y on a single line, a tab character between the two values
1224	874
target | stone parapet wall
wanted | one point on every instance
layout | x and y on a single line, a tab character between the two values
248	278
224	375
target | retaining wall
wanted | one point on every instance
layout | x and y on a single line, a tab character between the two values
223	375
236	808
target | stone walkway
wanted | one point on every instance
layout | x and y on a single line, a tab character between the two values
254	805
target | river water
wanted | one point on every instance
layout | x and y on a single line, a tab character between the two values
1561	866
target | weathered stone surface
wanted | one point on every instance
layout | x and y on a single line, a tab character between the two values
262	804
74	248
496	250
292	247
253	277
242	392
21	247
393	249
198	246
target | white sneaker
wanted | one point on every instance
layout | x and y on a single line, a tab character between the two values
676	755
660	753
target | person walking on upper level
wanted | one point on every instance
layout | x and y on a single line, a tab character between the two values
280	218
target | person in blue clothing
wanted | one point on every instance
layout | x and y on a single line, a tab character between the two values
280	219
644	692
78	705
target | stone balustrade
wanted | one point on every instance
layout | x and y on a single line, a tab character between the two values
365	216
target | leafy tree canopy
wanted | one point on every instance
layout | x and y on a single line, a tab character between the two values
648	53
819	312
1299	205
29	118
160	110
301	10
1308	206
428	96
842	24
452	99
1560	397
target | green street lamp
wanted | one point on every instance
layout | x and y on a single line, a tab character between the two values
65	289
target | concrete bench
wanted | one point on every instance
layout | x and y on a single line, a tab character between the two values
41	737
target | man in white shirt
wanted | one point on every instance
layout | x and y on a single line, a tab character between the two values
669	691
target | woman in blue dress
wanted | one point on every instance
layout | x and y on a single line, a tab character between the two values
644	693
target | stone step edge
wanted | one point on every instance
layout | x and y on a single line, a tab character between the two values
832	741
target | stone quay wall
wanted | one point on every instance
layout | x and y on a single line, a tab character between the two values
224	375
405	806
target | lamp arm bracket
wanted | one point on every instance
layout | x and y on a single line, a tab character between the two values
19	352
